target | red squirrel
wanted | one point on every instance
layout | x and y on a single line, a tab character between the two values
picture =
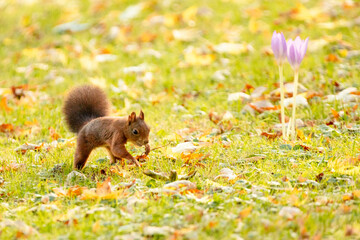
86	111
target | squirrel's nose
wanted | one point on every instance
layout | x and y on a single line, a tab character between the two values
146	141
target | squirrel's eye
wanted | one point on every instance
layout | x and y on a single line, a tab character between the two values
135	131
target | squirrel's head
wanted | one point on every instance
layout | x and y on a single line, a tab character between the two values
137	130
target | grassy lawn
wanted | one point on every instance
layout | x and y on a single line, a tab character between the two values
184	64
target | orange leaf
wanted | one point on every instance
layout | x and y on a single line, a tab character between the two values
53	134
346	197
75	191
147	37
245	212
104	188
332	58
335	113
3	104
271	135
6	127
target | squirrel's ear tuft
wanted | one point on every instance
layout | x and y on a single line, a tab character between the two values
132	118
141	115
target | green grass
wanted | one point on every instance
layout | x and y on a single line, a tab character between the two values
247	207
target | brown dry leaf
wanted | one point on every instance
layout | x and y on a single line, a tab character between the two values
271	135
247	88
312	94
19	91
6	128
262	106
29	146
319	177
215	117
309	148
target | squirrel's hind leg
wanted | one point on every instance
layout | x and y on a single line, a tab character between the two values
113	159
82	153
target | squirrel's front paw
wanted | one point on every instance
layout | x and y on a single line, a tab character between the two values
147	149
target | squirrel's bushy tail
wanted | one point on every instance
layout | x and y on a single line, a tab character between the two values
83	104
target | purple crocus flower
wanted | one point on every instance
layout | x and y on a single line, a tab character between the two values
296	51
278	45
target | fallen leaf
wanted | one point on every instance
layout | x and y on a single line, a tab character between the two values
103	188
198	57
271	135
290	212
319	177
245	212
232	48
184	147
153	231
23	230
180	185
186	34
6	127
332	58
226	173
3	104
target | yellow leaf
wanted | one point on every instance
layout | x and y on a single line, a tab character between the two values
88	195
171	19
356	194
253	25
96	227
198	58
190	14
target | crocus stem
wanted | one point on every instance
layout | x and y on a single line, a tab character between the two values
282	93
296	83
288	129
